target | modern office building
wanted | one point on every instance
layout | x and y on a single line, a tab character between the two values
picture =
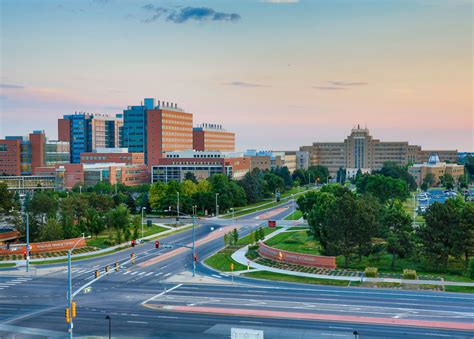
437	168
112	155
22	155
361	151
88	131
202	164
212	137
154	128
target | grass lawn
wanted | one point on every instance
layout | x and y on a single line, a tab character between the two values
103	238
459	289
221	260
298	228
295	215
422	268
7	265
252	210
292	278
298	241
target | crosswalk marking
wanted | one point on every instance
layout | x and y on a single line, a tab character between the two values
126	272
167	275
149	273
157	274
133	273
141	273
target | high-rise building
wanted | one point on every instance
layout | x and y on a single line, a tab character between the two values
212	137
360	151
155	128
22	155
87	132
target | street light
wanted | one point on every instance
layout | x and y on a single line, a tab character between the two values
80	189
233	215
143	208
293	214
22	197
69	279
217	206
110	325
194	238
177	210
356	334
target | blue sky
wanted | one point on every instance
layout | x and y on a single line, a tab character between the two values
279	74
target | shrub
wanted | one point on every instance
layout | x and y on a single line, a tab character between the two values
253	247
409	274
109	242
371	272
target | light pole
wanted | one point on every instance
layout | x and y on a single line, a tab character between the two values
217	206
309	179
69	283
143	208
22	196
233	215
110	325
194	239
177	209
80	189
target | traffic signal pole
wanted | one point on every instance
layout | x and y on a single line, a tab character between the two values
194	247
69	285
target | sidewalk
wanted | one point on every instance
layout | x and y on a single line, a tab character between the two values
111	249
239	256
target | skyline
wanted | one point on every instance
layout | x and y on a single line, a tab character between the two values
226	64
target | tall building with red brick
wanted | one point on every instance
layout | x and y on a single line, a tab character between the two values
212	137
156	127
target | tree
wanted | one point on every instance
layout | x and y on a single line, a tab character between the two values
43	206
385	188
441	235
467	231
188	187
429	179
120	217
284	173
319	173
323	202
252	183
235	235
341	176
136	222
469	166
393	170
94	221
364	224
447	181
157	194
398	230
300	176
52	230
261	232
190	176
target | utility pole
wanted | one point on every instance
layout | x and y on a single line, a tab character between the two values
194	239
217	206
143	209
177	210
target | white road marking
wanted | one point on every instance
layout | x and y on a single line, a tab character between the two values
89	278
162	293
217	276
137	322
149	273
157	274
126	272
251	322
166	317
133	273
167	275
141	273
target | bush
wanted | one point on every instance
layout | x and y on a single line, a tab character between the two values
253	247
409	274
371	272
109	242
471	268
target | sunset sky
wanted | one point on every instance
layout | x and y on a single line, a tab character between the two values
281	74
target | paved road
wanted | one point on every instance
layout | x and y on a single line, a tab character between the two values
134	297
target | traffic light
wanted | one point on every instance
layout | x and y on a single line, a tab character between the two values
157	244
132	256
97	274
133	243
106	268
232	266
195	258
116	267
67	315
24	255
73	309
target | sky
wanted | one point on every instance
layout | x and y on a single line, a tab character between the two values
279	73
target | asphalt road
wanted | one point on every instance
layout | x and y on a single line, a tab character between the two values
143	302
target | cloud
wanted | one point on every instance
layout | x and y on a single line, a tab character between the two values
330	88
243	84
348	83
2	85
182	15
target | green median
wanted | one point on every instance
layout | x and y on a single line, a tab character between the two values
221	260
7	265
